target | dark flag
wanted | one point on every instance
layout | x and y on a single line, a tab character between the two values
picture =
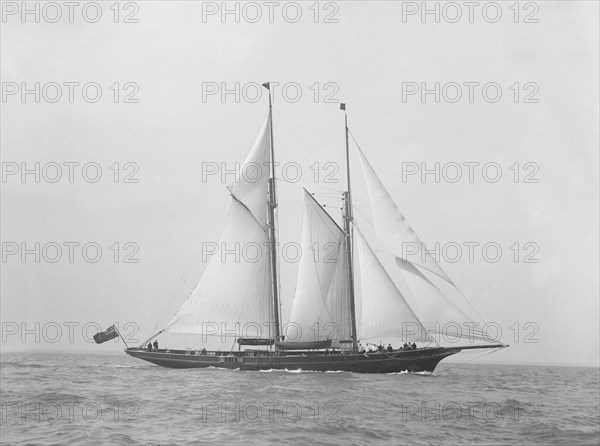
342	106
266	85
106	335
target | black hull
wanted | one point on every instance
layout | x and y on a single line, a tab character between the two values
420	360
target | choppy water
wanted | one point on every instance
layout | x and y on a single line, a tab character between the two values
117	400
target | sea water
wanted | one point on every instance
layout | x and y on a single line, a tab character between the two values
62	399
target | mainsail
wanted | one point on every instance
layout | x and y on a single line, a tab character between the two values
320	308
234	295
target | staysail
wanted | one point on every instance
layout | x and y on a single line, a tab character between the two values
320	308
385	313
442	317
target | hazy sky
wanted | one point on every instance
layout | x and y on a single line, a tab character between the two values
373	57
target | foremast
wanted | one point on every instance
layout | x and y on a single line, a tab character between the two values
348	219
271	225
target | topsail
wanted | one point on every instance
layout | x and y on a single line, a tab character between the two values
250	186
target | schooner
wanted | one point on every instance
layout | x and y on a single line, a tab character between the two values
363	290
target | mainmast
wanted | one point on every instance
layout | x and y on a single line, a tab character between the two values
272	204
348	230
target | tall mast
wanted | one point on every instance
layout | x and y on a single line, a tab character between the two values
348	230
272	204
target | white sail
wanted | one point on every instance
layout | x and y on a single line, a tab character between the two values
442	317
393	234
385	314
233	297
393	240
250	186
320	308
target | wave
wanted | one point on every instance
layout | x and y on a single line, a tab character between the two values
285	370
120	366
17	364
301	371
212	367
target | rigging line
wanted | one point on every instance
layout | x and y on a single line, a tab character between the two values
328	139
476	357
255	272
319	145
431	341
354	139
274	256
243	305
156	333
309	155
278	263
332	190
334	197
470	304
279	117
336	193
363	215
332	200
198	247
191	263
211	226
329	203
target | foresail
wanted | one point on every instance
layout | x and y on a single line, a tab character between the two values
320	309
233	297
250	185
385	314
442	317
393	234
